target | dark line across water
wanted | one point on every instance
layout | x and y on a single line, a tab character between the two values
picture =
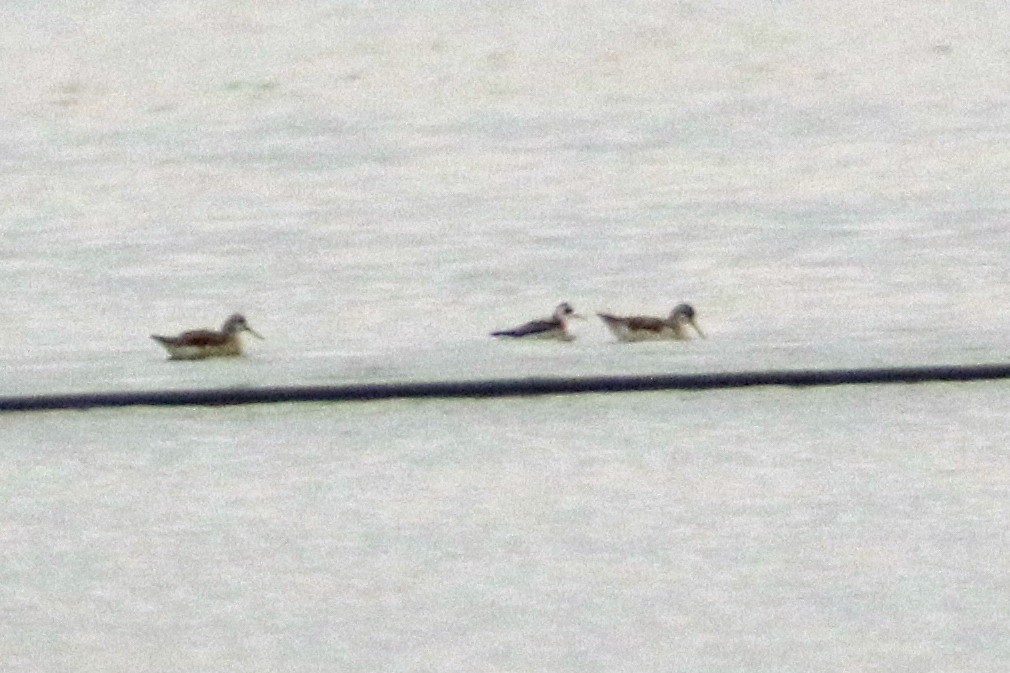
517	387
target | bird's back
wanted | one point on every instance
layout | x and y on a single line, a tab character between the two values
199	344
636	328
544	329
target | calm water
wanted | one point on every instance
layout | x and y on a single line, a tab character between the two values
377	187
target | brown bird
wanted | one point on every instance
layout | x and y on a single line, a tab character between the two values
205	343
646	328
555	327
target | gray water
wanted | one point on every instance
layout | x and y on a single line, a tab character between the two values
377	187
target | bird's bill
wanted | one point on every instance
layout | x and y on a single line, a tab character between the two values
254	333
698	330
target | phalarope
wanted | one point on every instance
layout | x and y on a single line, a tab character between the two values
205	343
646	328
555	327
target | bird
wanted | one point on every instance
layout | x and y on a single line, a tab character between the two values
205	343
647	328
555	327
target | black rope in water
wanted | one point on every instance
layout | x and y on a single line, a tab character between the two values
504	387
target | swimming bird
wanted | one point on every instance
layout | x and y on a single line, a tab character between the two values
646	328
205	343
555	327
